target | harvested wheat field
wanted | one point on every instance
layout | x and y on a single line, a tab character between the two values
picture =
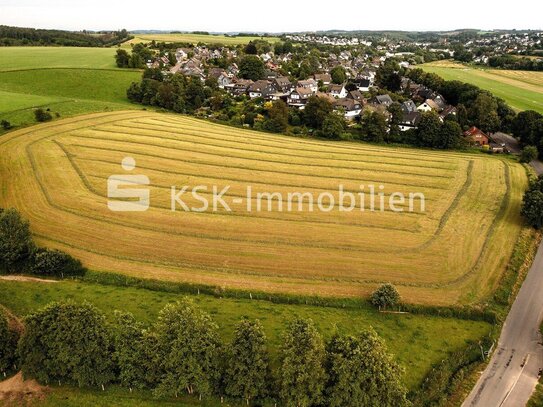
453	252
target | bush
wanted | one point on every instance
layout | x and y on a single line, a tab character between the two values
69	342
8	346
532	204
528	154
5	124
55	263
385	296
42	115
15	240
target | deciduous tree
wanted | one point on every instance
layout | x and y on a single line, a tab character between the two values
362	373
316	110
15	239
8	345
67	342
247	366
302	357
128	335
385	296
251	67
190	348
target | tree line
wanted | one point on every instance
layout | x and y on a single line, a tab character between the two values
19	253
515	63
17	36
182	353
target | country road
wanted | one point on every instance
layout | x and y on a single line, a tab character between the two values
512	374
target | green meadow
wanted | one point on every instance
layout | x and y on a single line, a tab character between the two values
15	58
68	81
522	90
416	340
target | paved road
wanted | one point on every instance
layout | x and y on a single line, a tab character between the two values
511	376
510	142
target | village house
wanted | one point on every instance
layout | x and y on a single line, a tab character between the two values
324	78
410	121
448	111
362	84
409	106
428	106
224	80
238	87
382	100
475	136
308	84
356	95
283	84
350	107
262	89
440	102
181	54
337	91
298	97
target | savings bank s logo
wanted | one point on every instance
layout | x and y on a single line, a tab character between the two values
124	191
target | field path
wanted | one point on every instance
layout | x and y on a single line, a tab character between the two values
26	279
512	374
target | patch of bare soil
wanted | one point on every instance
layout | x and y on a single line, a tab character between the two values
16	392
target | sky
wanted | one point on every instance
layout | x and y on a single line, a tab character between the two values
272	16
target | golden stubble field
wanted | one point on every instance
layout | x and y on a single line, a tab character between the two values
56	175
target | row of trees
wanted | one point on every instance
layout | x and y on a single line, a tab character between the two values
182	354
19	253
516	63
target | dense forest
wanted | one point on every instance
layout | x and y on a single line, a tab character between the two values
17	36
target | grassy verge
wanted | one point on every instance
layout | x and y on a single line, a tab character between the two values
117	397
537	397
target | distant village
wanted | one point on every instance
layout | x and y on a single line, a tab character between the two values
349	99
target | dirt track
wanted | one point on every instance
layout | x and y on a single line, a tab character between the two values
16	391
26	279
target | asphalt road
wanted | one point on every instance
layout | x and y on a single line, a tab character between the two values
512	374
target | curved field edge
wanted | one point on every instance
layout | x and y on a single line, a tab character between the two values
438	294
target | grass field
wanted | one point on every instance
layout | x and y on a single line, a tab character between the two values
419	346
196	38
523	90
16	58
453	253
67	80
